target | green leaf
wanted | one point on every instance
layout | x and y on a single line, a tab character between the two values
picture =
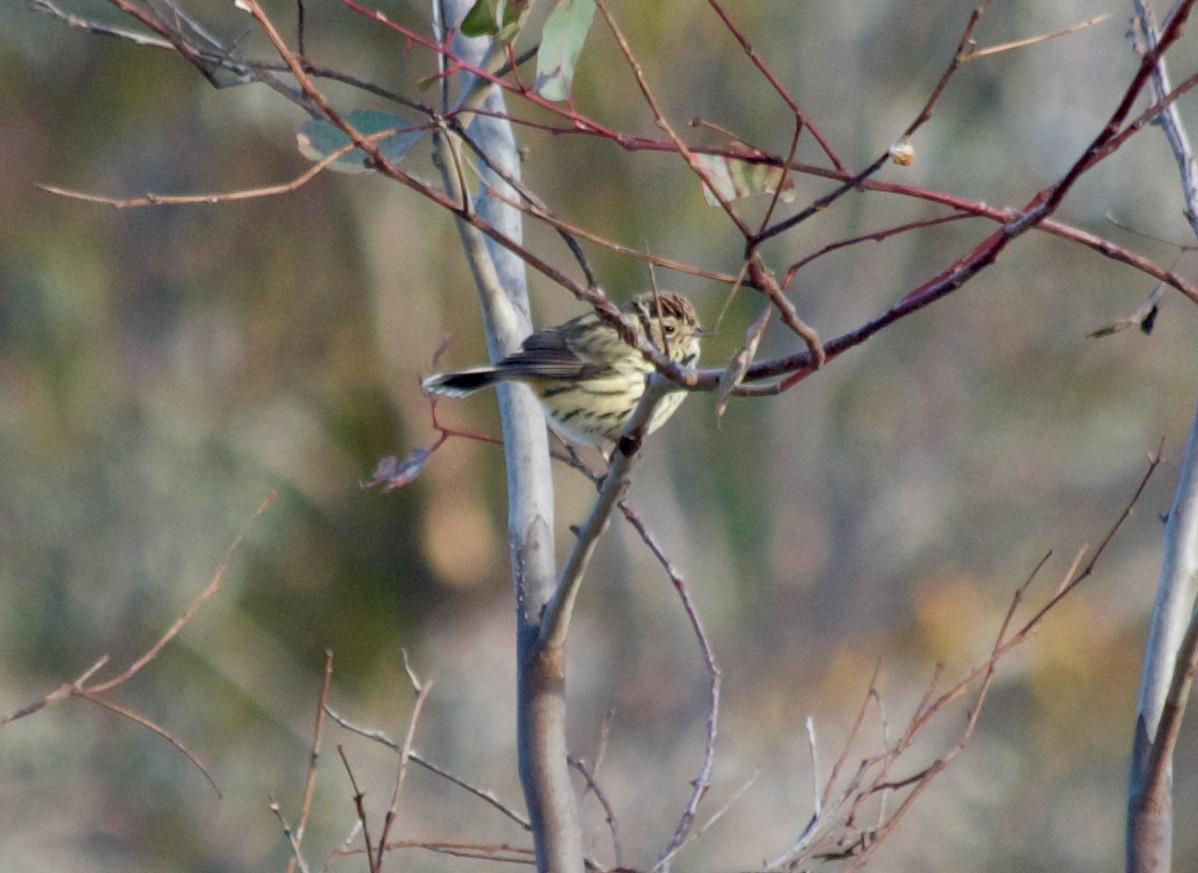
561	44
735	179
482	19
319	138
514	12
501	19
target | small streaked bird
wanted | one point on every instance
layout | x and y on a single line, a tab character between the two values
588	379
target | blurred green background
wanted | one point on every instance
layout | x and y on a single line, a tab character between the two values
162	369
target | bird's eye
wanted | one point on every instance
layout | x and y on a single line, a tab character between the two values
670	328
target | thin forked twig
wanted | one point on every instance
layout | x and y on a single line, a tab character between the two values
313	759
958	59
203	598
293	839
405	753
360	807
873	777
801	117
482	794
609	814
662	122
94	693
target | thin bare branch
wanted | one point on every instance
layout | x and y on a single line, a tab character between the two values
831	833
702	782
662	122
482	794
66	689
360	807
161	731
556	619
93	693
801	118
609	815
203	598
293	838
297	837
1033	40
228	196
405	754
663	864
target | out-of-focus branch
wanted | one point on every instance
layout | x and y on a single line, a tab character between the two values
381	737
93	693
834	831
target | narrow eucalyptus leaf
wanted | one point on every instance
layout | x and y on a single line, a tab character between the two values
561	45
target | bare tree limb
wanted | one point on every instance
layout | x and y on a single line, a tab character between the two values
1172	645
503	294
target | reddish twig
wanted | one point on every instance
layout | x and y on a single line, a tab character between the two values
959	57
662	122
800	117
876	236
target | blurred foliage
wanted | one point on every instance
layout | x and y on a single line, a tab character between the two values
162	369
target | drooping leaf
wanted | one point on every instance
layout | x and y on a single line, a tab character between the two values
561	44
735	179
318	138
392	473
1144	317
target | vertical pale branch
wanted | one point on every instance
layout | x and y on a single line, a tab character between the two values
503	292
1165	680
1169	653
1170	119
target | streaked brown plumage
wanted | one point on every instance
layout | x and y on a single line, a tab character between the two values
588	379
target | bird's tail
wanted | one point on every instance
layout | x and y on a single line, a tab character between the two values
461	382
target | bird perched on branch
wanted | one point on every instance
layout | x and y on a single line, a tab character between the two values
586	376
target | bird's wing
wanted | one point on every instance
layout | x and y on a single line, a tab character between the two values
546	355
